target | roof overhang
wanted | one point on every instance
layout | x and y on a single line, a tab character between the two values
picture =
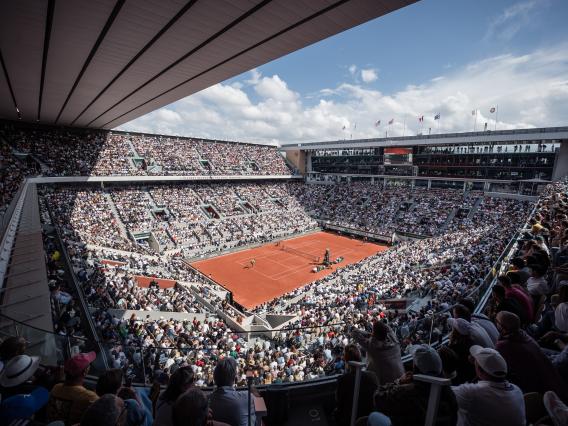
102	63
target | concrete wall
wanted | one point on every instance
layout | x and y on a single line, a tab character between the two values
561	163
298	159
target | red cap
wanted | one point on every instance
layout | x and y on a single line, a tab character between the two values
79	362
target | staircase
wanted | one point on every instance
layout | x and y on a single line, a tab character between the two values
122	228
449	219
475	207
131	146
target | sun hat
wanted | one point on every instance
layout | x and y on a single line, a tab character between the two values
489	360
18	370
461	325
426	359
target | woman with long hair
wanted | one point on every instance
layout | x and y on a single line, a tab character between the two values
180	381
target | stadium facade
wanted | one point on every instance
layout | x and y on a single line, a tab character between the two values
516	160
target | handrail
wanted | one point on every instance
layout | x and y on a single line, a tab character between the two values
8	235
79	291
489	279
5	221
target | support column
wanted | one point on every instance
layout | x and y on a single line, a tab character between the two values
561	162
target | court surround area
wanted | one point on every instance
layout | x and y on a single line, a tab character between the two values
280	268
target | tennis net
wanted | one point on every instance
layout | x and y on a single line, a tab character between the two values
297	252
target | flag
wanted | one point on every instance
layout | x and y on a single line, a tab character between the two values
492	110
391	121
473	111
343	128
421	118
437	116
377	123
485	126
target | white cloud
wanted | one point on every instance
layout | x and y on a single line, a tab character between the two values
531	91
254	76
353	69
369	75
512	19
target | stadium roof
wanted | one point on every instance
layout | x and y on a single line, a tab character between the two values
101	63
509	136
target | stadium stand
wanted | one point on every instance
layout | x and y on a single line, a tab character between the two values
119	284
80	152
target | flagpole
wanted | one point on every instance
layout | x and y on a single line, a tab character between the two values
475	121
496	116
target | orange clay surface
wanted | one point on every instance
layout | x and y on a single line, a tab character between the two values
277	272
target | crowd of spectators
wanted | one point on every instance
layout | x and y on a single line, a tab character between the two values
195	218
439	270
518	346
13	170
85	152
375	209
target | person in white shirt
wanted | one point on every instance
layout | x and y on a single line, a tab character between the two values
561	310
536	284
492	400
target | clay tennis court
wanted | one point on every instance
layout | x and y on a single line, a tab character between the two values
277	271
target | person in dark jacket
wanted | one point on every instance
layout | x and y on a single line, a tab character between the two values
529	367
383	352
405	401
346	387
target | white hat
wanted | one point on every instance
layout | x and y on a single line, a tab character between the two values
489	360
461	325
18	370
426	359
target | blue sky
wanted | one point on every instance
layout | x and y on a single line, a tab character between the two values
446	56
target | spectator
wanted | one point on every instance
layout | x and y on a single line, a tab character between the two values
460	342
11	347
517	292
191	409
529	367
109	381
536	284
519	267
405	400
492	400
502	302
229	405
346	386
136	413
383	352
557	409
69	400
23	406
108	410
462	320
180	382
481	319
561	311
18	375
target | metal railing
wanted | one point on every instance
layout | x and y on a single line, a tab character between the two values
92	330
